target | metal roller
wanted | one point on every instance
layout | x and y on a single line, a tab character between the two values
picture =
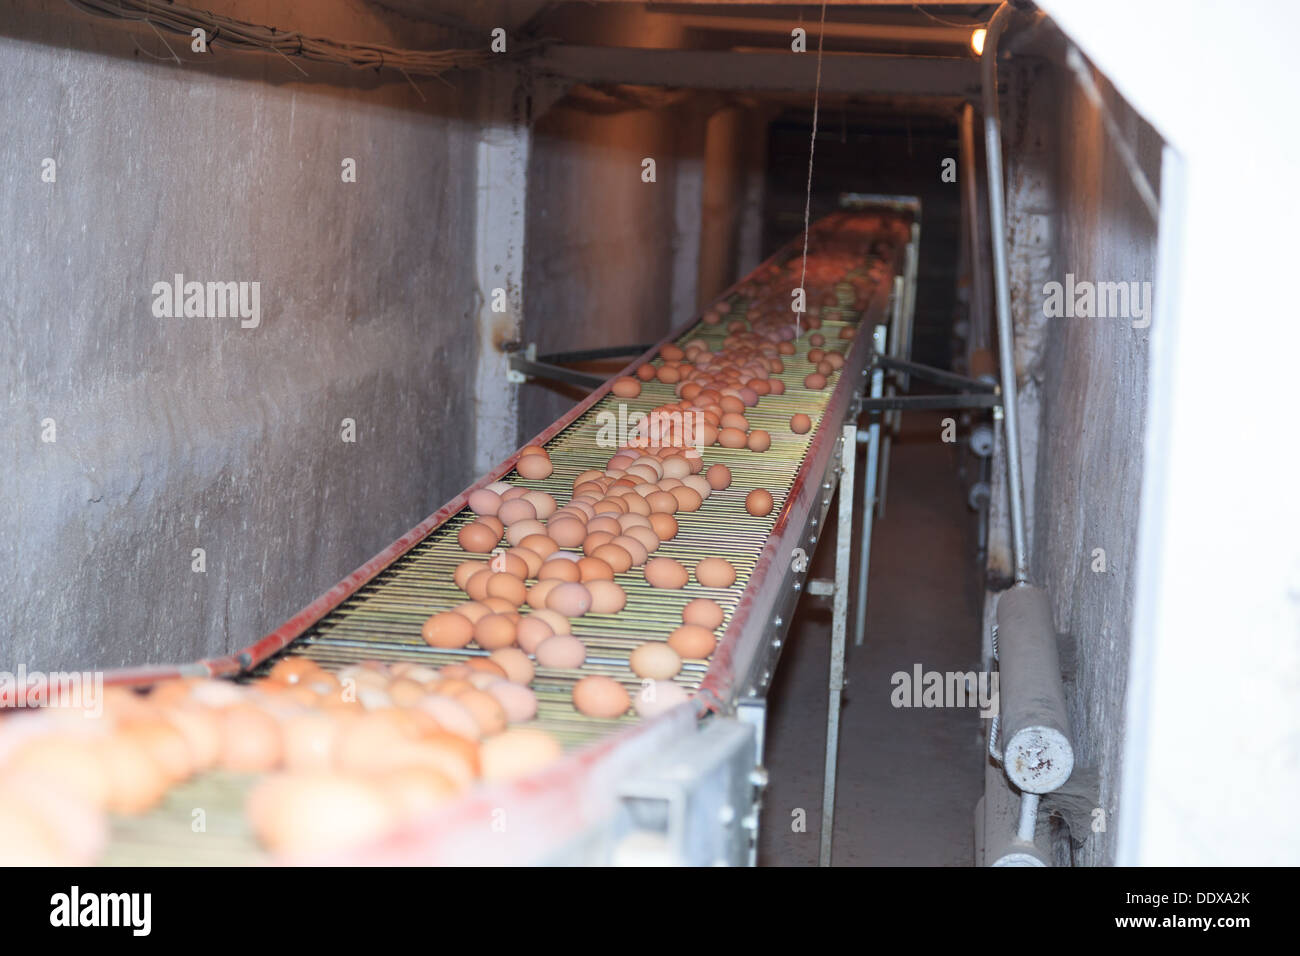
1033	721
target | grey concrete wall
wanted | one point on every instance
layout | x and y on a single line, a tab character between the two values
175	434
1072	208
599	253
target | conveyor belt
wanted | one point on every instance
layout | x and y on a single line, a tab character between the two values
381	620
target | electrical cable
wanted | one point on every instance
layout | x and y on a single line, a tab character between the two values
242	36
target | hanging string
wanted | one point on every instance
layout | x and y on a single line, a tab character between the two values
812	148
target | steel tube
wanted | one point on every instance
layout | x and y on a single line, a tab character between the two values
839	627
869	496
1002	287
1034	724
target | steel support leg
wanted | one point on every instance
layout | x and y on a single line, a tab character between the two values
839	627
869	497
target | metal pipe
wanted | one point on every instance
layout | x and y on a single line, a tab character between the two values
1034	723
1028	817
979	290
839	628
869	493
1006	333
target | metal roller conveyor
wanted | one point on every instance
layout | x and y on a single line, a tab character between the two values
598	802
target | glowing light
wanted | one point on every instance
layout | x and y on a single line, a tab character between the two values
977	41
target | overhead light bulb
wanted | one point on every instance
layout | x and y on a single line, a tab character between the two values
977	41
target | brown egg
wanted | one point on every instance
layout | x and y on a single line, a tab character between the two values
593	541
561	569
466	570
451	715
600	697
478	537
566	532
661	502
718	476
514	663
731	438
665	573
593	569
517	752
303	813
534	467
715	573
645	372
702	612
472	610
529	562
562	650
487	711
604	523
569	599
634	548
606	597
540	591
626	387
688	499
735	420
516	510
484	667
759	502
290	670
484	502
519	703
507	587
664	526
655	660
310	739
415	791
800	423
543	504
759	440
533	450
617	557
531	631
815	355
675	466
496	605
645	537
201	728
542	545
692	641
476	586
815	381
494	631
556	621
777	386
166	745
447	629
71	763
526	528
251	740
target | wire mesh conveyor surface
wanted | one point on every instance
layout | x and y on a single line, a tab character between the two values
381	619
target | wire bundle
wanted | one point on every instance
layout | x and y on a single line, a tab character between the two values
249	37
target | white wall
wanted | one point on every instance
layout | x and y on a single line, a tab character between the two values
1212	755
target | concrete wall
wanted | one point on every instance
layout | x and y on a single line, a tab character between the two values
599	266
1072	208
175	434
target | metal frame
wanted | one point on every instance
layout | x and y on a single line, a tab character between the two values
526	364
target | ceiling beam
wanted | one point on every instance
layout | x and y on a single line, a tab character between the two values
728	70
